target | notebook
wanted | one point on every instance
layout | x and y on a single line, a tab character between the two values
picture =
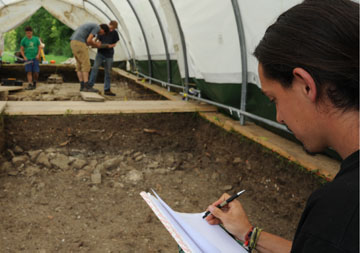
190	230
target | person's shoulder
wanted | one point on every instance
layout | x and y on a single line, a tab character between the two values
115	36
93	25
23	40
89	24
346	187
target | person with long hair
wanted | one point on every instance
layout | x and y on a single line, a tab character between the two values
309	67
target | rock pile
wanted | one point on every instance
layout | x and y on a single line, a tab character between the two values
126	168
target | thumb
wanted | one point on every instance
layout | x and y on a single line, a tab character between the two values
217	212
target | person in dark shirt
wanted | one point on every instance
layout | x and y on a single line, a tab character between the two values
105	55
79	41
309	67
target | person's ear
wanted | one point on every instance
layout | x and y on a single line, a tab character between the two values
306	82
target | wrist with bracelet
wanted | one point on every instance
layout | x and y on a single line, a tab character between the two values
251	238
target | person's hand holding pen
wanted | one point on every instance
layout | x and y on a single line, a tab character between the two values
232	217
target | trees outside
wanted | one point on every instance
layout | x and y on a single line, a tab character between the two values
54	34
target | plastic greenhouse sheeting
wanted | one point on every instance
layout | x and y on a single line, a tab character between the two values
209	28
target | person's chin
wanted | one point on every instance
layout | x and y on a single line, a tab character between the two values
312	150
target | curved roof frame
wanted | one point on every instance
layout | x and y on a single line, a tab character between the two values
145	38
168	66
125	38
111	7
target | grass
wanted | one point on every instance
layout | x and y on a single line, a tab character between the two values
7	57
57	58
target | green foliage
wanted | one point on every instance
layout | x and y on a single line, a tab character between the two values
8	56
10	40
54	34
57	58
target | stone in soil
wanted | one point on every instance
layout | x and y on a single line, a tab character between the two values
13	173
227	187
43	160
18	150
134	176
139	158
161	171
34	154
137	154
60	161
18	160
96	177
153	165
11	153
79	163
237	160
111	163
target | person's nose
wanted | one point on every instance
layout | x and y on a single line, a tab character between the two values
279	117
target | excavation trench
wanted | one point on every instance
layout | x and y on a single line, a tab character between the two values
71	183
48	89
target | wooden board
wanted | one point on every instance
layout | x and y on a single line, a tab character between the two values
156	88
319	164
91	97
2	106
108	107
10	88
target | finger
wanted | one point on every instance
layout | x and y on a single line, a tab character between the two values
216	212
214	222
223	197
211	218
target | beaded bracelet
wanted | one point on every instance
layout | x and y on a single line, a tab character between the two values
248	237
252	238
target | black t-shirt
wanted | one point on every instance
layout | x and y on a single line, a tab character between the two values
330	221
110	38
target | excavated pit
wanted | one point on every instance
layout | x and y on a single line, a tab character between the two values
125	89
71	183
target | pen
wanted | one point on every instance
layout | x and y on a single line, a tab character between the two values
225	202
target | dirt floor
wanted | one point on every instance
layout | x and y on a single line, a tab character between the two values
71	91
72	183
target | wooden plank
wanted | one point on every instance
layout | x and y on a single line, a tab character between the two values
2	106
159	90
10	88
91	97
108	107
319	164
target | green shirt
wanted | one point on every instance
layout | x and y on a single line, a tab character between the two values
31	46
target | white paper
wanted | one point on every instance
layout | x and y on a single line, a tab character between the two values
196	232
191	244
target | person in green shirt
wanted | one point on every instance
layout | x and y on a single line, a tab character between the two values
30	51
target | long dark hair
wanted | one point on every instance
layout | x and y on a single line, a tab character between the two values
321	36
